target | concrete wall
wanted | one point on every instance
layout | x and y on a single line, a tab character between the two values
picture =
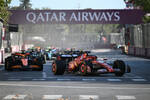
136	36
140	40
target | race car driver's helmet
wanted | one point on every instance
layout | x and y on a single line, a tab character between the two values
84	55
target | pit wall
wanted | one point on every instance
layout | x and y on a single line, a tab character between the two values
140	40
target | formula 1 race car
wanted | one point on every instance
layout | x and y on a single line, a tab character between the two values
24	61
51	54
85	64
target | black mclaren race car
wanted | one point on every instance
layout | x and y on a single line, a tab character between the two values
83	63
25	60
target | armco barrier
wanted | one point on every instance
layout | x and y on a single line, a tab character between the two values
137	51
148	52
140	52
143	52
131	51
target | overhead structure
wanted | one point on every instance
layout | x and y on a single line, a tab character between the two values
124	16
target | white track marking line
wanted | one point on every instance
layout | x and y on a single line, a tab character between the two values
84	79
15	97
59	79
132	75
27	77
52	97
139	80
14	79
76	87
52	77
38	79
137	77
20	77
44	75
125	97
88	97
124	77
114	80
101	77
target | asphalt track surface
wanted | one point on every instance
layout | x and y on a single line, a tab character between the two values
43	85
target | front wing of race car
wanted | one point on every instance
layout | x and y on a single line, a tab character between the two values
117	67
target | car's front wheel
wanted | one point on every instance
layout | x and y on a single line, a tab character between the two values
119	64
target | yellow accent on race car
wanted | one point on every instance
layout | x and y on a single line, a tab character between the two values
16	66
34	66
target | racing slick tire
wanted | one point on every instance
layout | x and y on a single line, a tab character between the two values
58	67
7	65
119	64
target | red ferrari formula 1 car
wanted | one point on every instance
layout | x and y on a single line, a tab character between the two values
87	64
24	61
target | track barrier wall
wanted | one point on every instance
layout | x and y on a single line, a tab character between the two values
140	40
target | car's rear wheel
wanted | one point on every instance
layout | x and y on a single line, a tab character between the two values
119	64
58	67
7	65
